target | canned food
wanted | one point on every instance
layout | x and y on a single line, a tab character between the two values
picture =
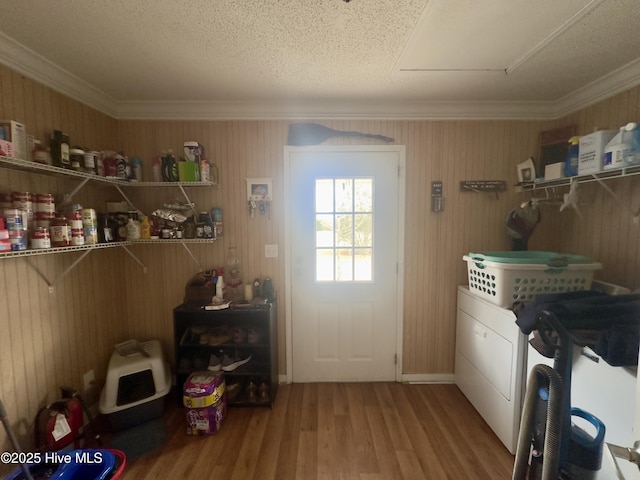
22	200
13	219
74	220
17	240
89	217
90	234
40	238
5	201
45	203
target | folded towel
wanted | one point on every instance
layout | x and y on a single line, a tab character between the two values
618	345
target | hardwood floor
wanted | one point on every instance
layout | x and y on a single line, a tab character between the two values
364	431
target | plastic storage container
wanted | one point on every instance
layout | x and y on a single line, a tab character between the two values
102	464
137	382
618	150
504	278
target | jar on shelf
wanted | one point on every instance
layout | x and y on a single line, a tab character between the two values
41	154
60	232
233	275
76	159
89	162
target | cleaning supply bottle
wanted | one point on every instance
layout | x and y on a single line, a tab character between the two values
633	155
145	228
571	161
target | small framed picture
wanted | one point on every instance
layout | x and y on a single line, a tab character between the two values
259	189
526	171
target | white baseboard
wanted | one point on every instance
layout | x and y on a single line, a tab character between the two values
428	378
406	378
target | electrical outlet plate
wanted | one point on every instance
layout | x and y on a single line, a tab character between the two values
271	251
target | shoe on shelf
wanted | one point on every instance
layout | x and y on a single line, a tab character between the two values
229	364
253	336
239	335
263	393
251	392
215	363
232	390
218	338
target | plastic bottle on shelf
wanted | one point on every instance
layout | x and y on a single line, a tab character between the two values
145	228
59	145
220	285
571	161
133	229
633	155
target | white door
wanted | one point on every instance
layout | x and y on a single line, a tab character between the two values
344	227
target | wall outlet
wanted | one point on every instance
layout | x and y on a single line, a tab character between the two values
89	380
271	251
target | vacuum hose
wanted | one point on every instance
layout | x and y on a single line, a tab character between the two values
553	429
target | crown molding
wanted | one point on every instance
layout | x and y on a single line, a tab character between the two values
334	110
605	87
29	63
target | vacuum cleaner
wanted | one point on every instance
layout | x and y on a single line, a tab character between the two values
550	446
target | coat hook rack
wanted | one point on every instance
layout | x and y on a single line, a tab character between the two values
483	186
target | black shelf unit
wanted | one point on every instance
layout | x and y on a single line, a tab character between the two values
190	322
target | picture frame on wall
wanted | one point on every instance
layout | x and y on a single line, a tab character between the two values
259	189
526	172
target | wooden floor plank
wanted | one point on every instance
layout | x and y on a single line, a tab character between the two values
351	431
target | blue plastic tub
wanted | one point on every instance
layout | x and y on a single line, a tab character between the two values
82	465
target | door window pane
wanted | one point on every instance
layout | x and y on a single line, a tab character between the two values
324	230
344	229
324	265
344	265
363	264
363	230
324	195
363	195
344	194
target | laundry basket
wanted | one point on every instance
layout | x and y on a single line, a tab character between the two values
504	278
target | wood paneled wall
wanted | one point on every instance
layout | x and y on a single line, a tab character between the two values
449	151
607	228
47	340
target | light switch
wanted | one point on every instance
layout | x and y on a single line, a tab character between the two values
271	251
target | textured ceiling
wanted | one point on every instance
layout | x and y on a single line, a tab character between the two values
151	57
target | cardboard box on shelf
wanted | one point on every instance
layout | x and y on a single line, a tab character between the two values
591	151
554	171
14	132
